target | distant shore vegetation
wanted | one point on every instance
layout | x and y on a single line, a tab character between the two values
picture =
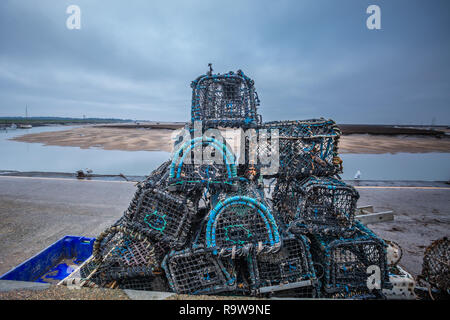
36	121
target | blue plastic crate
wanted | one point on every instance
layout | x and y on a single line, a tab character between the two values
50	264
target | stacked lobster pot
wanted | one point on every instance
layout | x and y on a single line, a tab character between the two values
202	223
200	161
227	100
306	148
314	202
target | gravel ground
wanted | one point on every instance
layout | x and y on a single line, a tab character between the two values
205	297
64	293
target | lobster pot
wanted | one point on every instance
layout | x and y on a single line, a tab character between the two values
289	272
213	166
157	179
227	100
349	262
321	205
241	222
305	148
436	265
197	271
164	217
120	253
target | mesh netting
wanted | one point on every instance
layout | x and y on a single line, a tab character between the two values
88	268
287	272
322	205
196	271
436	264
305	147
157	179
212	171
227	100
119	253
346	261
240	222
164	216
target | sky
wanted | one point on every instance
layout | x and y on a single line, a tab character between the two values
309	59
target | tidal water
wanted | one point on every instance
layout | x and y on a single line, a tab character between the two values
21	156
399	166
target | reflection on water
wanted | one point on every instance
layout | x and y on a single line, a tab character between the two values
21	156
400	166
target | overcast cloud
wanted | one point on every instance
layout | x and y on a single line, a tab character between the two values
135	59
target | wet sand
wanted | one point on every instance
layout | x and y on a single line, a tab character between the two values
138	139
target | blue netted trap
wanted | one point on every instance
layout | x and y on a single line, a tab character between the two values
215	169
322	205
164	216
347	262
122	252
305	148
241	221
227	100
198	271
288	272
158	178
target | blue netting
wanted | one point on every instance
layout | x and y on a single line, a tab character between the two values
227	100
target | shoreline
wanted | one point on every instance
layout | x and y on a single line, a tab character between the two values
110	137
133	179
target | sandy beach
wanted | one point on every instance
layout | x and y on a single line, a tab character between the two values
137	139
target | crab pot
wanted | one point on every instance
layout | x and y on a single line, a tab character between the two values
305	148
436	265
218	172
157	179
321	205
120	253
164	217
197	271
289	272
227	100
239	223
348	263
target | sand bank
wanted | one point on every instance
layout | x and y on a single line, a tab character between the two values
137	139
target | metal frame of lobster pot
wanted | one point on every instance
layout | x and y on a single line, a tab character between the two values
121	253
164	216
286	273
198	271
349	262
322	205
239	223
202	162
306	147
227	100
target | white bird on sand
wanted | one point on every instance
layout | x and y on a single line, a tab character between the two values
357	175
